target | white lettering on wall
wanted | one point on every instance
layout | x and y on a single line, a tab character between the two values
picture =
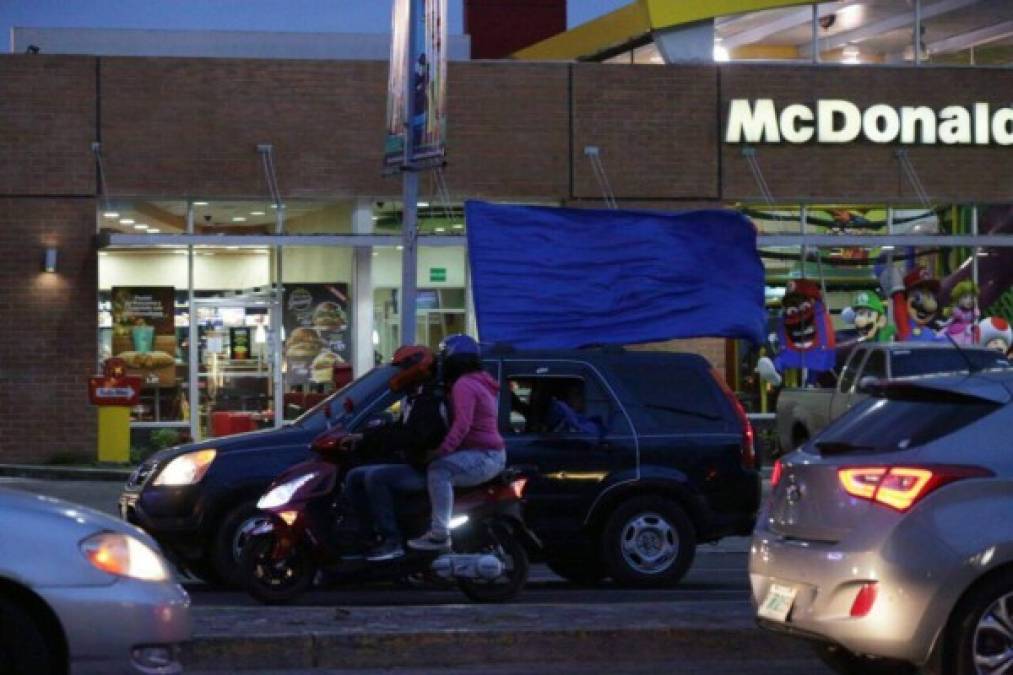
837	121
755	124
840	121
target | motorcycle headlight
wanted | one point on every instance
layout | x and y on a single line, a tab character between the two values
124	556
281	494
186	469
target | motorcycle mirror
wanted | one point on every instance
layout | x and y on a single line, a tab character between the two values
327	442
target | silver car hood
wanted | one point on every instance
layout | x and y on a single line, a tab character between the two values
40	540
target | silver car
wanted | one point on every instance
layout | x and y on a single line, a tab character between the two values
888	539
84	592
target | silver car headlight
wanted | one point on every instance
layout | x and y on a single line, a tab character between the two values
124	556
186	469
280	495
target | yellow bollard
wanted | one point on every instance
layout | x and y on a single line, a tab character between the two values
114	434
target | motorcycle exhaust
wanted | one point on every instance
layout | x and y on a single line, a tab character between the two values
482	566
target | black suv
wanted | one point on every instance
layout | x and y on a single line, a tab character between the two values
641	455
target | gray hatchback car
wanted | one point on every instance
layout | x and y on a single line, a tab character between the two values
82	592
888	539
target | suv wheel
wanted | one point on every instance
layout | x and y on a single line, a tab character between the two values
648	541
23	645
227	543
982	629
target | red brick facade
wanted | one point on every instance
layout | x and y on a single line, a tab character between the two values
190	127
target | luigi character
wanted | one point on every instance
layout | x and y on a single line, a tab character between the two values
915	303
805	336
870	320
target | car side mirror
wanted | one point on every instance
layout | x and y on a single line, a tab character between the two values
867	384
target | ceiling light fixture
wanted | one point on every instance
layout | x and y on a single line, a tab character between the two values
721	54
111	214
441	229
200	203
153	230
458	226
850	54
127	221
238	219
140	226
257	213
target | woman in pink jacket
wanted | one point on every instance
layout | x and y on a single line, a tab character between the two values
473	451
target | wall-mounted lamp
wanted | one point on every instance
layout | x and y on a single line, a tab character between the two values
49	264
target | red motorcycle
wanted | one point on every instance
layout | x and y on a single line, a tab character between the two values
313	535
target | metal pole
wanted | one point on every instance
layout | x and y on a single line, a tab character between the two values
974	254
889	264
410	194
815	34
918	33
193	336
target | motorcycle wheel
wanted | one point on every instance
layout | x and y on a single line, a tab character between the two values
274	582
511	551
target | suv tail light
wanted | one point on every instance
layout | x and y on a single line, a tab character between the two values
776	473
748	456
901	487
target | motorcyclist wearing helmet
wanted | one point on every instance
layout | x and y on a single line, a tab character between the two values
473	451
422	425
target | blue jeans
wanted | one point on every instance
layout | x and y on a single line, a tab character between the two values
464	468
371	490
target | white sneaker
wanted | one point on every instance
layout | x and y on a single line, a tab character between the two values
431	541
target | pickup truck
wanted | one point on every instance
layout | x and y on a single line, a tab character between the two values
803	413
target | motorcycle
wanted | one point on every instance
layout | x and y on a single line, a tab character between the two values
312	534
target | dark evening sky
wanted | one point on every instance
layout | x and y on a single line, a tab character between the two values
354	16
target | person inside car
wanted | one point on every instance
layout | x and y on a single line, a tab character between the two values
473	451
405	445
568	415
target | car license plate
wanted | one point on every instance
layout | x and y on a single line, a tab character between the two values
778	603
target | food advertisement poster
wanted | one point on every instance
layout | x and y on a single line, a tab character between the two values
417	84
317	329
137	306
240	342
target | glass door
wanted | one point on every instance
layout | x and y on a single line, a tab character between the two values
236	367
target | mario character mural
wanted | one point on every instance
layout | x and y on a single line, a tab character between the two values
963	315
995	333
805	335
868	314
915	303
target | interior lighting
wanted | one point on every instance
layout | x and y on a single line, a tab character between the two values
140	226
850	54
153	230
458	226
111	214
257	213
721	53
200	203
423	205
49	262
440	229
238	219
127	221
399	247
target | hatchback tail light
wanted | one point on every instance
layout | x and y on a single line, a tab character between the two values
748	452
864	601
901	487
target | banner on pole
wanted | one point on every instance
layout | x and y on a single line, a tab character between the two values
417	85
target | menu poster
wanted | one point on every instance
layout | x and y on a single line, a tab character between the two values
316	322
240	339
136	306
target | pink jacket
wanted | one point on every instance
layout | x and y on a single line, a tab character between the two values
475	425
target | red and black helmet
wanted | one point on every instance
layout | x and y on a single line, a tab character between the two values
416	366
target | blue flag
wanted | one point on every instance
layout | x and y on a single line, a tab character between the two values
547	278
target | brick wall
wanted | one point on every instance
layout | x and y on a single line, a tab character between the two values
47	125
48	342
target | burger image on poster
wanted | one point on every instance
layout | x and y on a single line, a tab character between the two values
322	368
303	344
329	316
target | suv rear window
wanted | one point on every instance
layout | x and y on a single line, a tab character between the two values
943	360
673	398
894	424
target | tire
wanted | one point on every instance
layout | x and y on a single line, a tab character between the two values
274	582
579	572
648	542
968	632
228	540
24	649
842	661
508	586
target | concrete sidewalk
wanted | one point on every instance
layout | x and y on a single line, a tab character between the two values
248	638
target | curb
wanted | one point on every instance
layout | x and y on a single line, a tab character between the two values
110	474
450	648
